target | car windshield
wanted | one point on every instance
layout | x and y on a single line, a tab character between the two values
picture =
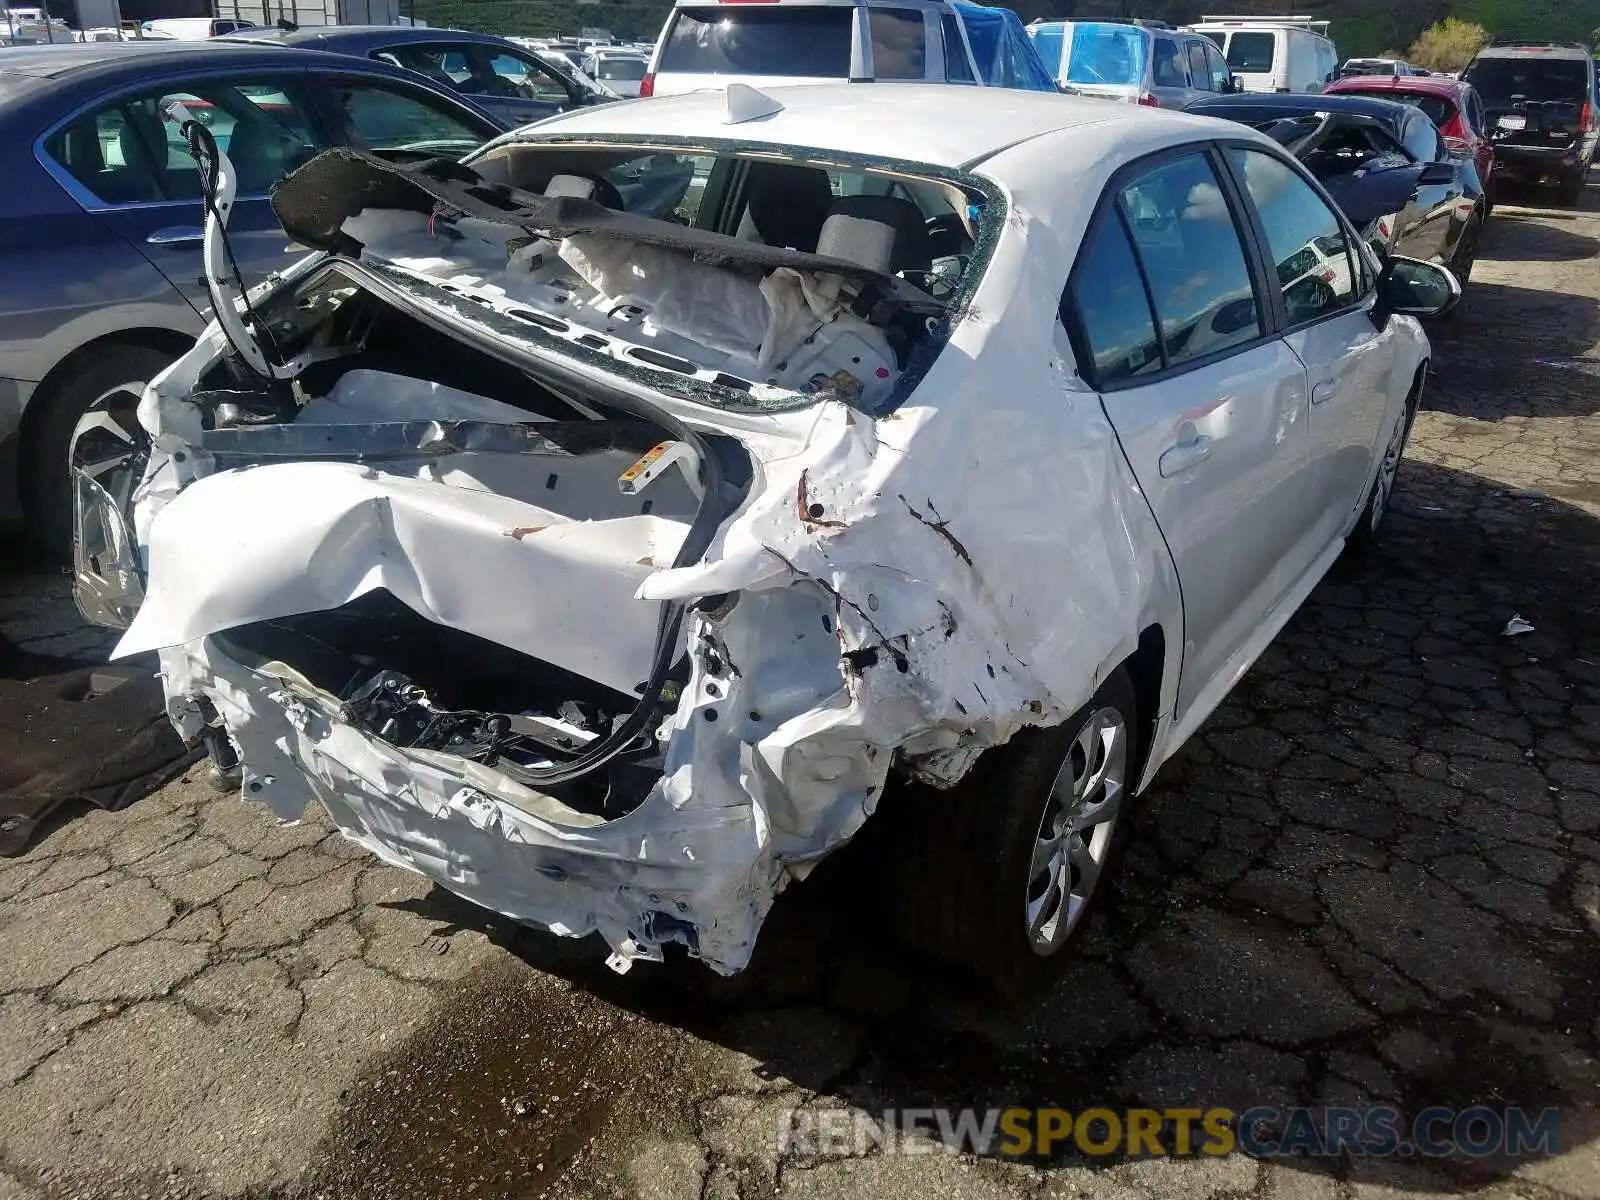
1436	108
1504	81
789	40
1106	54
1251	51
629	69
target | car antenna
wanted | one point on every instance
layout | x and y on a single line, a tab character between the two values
224	281
745	103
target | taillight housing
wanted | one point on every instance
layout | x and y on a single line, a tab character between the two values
1586	117
647	85
1148	101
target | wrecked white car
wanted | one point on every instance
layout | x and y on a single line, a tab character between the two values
600	526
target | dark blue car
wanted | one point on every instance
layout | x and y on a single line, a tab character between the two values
101	218
516	84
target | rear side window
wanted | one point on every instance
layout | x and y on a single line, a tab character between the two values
789	40
956	67
1504	80
1186	240
1252	50
133	152
1167	64
1221	77
1165	256
1112	308
899	43
1199	71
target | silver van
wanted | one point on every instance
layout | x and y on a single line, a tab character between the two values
1136	62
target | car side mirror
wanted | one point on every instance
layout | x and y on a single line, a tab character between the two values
1235	83
1436	173
1415	288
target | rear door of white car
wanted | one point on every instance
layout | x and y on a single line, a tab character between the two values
1172	317
1327	317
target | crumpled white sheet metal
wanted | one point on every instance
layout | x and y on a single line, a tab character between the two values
916	587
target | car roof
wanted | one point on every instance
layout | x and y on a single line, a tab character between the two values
1536	50
936	124
1422	85
38	84
364	35
25	69
1271	105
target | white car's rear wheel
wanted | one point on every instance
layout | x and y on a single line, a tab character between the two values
1002	872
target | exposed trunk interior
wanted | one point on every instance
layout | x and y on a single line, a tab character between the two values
603	496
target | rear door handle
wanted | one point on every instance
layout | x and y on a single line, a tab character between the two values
176	236
1324	391
1184	455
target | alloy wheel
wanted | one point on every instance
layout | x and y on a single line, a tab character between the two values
1075	831
108	443
1389	468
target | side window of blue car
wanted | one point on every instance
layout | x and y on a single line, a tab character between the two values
131	151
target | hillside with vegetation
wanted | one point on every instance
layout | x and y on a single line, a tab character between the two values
1359	26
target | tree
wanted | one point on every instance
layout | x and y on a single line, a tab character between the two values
1449	45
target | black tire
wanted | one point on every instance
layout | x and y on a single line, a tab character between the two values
1466	254
1365	536
45	481
1570	191
962	884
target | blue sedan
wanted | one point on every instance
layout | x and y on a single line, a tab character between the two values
101	217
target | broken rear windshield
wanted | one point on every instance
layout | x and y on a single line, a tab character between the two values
797	41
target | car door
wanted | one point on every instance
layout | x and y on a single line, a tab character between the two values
147	187
1169	72
1165	306
1327	319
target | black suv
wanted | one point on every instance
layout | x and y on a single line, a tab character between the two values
1539	100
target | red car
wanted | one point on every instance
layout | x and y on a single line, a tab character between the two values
1453	106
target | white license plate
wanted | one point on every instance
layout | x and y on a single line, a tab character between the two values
1513	122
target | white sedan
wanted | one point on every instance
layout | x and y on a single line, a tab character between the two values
601	528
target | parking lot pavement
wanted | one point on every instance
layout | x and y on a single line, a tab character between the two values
1373	877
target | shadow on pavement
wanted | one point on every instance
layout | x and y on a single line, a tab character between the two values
1371	878
1515	351
73	728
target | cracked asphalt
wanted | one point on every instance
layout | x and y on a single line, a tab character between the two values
1374	876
